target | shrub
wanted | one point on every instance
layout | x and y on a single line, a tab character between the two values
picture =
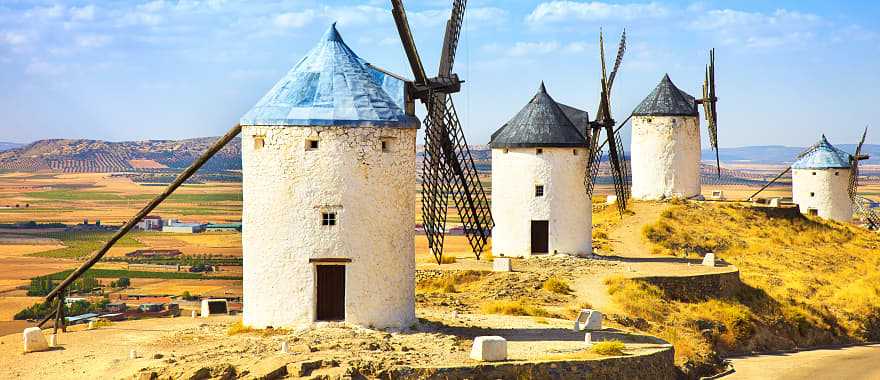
608	348
239	328
556	285
123	282
638	298
447	259
518	307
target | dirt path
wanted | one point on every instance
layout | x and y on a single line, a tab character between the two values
626	236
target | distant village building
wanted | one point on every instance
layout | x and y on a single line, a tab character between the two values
174	226
820	182
539	161
328	157
665	151
150	223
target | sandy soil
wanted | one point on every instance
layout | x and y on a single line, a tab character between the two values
179	347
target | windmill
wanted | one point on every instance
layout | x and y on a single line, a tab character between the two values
449	170
604	121
857	200
709	101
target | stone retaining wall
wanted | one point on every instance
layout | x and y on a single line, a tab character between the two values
697	288
658	365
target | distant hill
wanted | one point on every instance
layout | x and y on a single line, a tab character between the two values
95	156
8	145
777	154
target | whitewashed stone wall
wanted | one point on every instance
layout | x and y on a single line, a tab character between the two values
565	203
665	157
286	187
829	192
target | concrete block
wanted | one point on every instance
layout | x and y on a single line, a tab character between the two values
501	264
214	307
709	259
611	200
34	340
489	349
774	202
53	340
194	314
588	338
588	319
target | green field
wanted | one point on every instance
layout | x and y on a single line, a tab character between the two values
81	244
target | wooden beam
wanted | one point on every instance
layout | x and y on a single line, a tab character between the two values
181	178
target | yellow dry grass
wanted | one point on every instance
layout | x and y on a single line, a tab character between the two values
13	250
608	348
807	281
517	307
11	305
556	285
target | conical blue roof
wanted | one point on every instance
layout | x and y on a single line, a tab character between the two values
331	85
823	156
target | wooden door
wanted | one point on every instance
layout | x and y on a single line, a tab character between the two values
331	293
540	236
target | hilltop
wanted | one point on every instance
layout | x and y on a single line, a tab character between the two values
96	156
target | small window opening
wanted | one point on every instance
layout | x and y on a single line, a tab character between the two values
648	119
259	142
812	194
574	152
814	173
506	150
311	144
837	173
539	190
328	218
384	146
539	151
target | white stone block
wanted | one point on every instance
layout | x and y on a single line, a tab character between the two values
91	325
588	338
34	340
501	264
53	340
194	314
774	202
588	320
489	349
285	347
220	307
709	260
611	200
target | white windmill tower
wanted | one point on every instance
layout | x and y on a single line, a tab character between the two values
823	181
538	163
665	153
328	161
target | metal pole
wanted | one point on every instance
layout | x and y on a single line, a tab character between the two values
181	178
770	183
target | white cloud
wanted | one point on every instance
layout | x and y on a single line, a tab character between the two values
521	49
294	19
86	13
92	40
577	47
782	28
558	11
14	38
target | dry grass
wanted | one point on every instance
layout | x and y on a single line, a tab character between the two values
239	328
447	259
808	282
518	307
608	348
556	285
448	283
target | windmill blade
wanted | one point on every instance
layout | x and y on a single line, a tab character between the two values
435	189
616	159
450	41
621	49
709	108
466	190
594	157
854	170
409	44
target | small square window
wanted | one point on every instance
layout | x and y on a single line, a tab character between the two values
311	144
259	142
837	173
539	190
812	194
539	151
574	152
384	146
814	173
328	218
506	150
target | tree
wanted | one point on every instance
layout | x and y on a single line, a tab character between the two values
123	282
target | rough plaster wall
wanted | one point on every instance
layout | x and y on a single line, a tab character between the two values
830	198
565	203
285	190
665	157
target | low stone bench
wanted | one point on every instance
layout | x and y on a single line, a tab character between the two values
34	340
502	264
489	349
214	307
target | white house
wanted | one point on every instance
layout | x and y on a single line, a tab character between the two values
539	200
820	182
665	151
328	158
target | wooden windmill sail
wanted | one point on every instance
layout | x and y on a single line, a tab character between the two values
449	170
709	102
605	122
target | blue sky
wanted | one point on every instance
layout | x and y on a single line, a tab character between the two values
787	71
